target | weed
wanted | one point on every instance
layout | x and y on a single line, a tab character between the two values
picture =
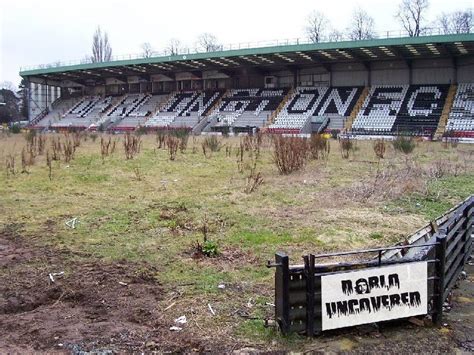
93	137
69	148
172	143
379	148
319	147
403	144
131	145
346	147
49	165
211	144
10	165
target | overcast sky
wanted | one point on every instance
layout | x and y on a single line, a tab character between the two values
40	32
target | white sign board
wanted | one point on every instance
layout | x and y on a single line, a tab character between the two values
374	295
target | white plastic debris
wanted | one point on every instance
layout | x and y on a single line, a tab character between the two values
181	320
221	286
72	223
175	329
210	308
51	275
123	283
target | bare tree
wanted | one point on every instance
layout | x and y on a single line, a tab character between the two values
207	42
174	47
147	50
411	15
462	21
362	26
456	22
444	22
101	49
335	36
316	26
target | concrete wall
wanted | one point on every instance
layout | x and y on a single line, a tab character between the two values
349	74
466	70
433	71
389	72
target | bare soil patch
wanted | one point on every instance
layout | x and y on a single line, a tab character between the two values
93	306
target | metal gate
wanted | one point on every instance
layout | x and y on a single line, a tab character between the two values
441	248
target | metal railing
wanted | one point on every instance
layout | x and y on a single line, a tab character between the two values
298	290
237	46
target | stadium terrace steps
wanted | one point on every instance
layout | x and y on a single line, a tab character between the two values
443	121
357	108
280	107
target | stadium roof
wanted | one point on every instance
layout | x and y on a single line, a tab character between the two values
274	57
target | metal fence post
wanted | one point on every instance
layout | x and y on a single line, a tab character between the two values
282	292
309	272
441	257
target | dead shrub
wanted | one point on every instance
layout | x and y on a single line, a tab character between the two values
76	139
93	137
289	153
172	144
346	147
107	147
49	165
139	176
69	148
27	158
319	147
379	148
254	178
56	148
389	183
131	145
42	140
10	165
160	138
211	144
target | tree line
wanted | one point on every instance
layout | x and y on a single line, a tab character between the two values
411	15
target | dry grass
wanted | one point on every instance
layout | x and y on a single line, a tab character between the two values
151	209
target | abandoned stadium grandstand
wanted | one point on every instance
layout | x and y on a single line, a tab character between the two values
412	85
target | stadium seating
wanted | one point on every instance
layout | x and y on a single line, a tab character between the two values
337	105
138	116
60	108
387	110
298	110
245	109
380	109
401	109
84	113
421	110
184	109
461	117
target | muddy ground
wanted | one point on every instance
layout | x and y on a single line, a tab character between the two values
108	308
